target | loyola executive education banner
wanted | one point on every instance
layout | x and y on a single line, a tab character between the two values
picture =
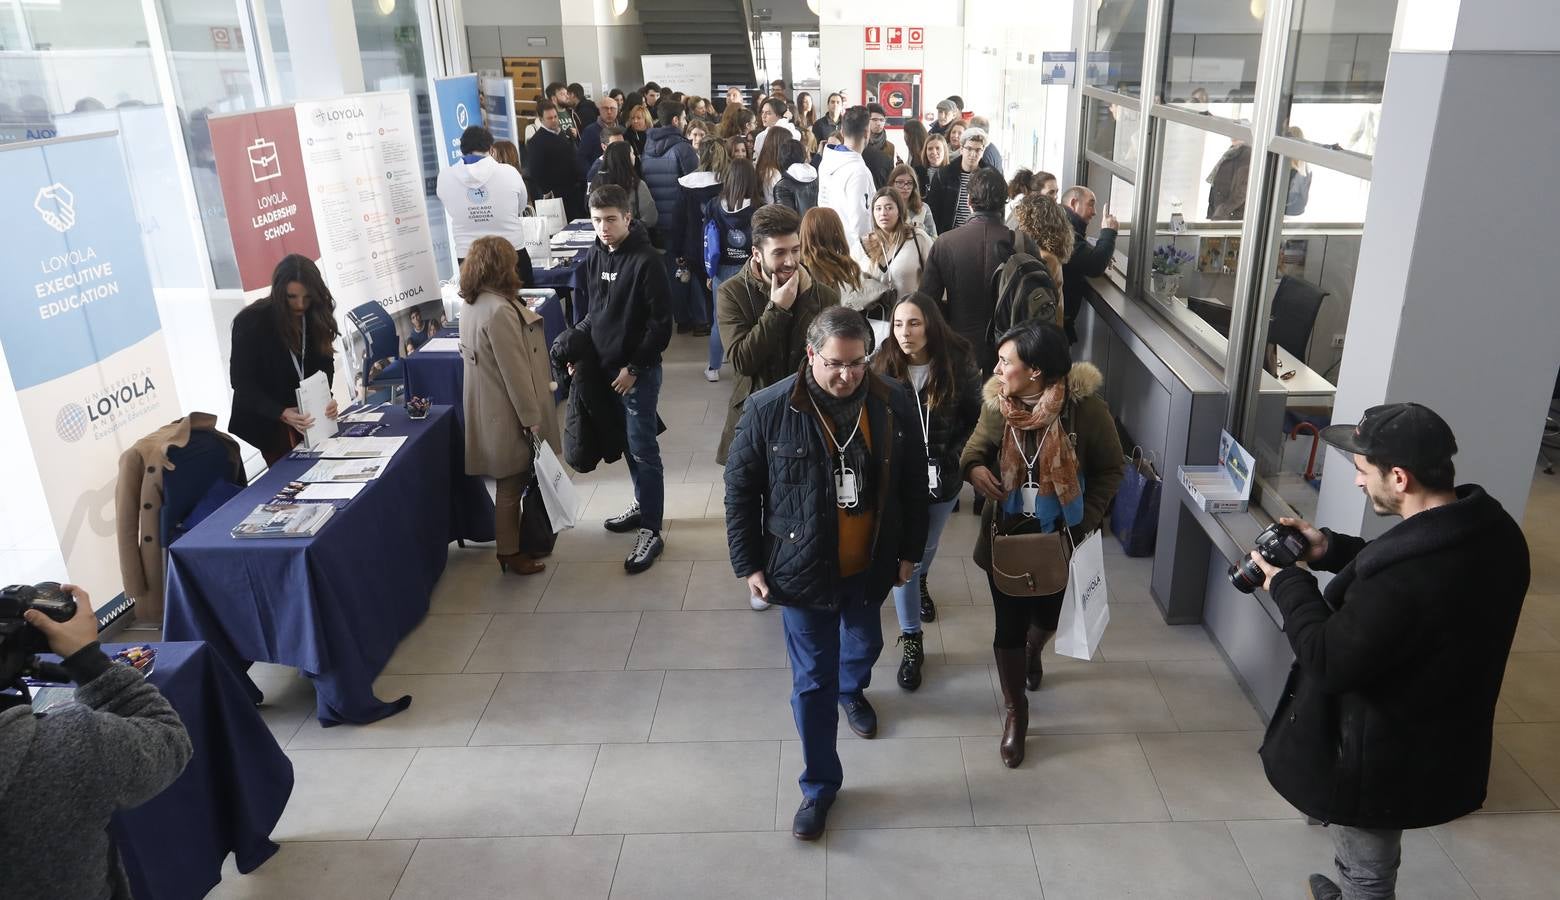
82	338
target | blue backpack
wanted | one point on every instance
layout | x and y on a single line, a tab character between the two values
725	234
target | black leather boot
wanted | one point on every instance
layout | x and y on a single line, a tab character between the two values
1015	725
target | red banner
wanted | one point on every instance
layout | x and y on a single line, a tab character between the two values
260	166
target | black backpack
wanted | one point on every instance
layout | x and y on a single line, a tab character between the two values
1022	290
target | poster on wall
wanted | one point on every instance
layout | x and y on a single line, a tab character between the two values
338	181
458	104
1057	66
689	73
898	90
83	341
498	109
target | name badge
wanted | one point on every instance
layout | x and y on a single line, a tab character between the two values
845	488
932	480
1031	494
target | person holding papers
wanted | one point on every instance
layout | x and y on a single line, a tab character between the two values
277	343
508	399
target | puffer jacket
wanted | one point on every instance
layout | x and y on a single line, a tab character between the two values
668	156
1093	432
781	517
948	427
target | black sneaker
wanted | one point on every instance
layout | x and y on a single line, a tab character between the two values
625	521
810	819
910	666
928	608
646	548
1319	887
860	715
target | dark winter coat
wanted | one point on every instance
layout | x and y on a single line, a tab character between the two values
698	188
594	428
551	168
960	266
668	156
264	380
1388	715
587	113
948	427
781	517
942	193
630	318
1087	261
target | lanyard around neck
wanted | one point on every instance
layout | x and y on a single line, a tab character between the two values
923	414
303	349
838	447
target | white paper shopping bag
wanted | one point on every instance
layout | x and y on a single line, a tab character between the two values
558	493
551	209
536	239
1086	608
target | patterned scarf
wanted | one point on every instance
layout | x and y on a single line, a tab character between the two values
843	413
1056	468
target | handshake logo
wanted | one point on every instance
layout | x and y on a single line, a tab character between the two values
57	206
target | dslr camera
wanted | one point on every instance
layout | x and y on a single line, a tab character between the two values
19	641
1280	545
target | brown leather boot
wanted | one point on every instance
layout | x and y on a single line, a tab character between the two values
1010	675
520	564
1034	645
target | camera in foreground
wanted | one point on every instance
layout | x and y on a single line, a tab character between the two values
1280	545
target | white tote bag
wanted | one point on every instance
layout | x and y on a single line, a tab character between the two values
558	493
551	209
1086	607
536	239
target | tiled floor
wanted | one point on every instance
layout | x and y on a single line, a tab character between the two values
584	734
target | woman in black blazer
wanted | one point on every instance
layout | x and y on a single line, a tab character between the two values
278	342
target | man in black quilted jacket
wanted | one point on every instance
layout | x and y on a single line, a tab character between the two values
826	509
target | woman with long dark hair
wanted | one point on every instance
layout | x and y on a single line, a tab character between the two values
617	167
770	165
915	149
731	213
277	343
1046	457
936	365
805	113
507	399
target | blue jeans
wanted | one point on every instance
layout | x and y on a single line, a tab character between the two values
1367	861
644	452
717	352
831	655
907	599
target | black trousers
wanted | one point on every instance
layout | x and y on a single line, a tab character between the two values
1016	614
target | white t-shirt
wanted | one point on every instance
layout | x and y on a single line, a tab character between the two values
919	376
482	198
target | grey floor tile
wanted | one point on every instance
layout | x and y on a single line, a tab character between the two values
715	639
948	583
952	701
338	795
966	632
1213	775
444	710
477	586
555	642
904	783
1166	861
1064	779
1097	697
703	466
953	863
1138	632
441	643
320	870
606	587
1508	857
489	792
1536	748
1511	787
683	501
1281	855
569	708
587	542
1203	695
713	586
536	868
666	788
725	705
757	864
1529	688
697	538
289	699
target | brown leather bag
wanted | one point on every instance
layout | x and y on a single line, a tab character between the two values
1031	564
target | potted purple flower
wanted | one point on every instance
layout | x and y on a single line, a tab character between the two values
1164	272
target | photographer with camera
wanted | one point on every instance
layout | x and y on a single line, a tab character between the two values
63	774
1386	721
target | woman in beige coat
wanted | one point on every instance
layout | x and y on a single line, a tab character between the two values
507	394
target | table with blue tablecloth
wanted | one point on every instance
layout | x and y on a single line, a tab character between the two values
230	795
439	375
334	605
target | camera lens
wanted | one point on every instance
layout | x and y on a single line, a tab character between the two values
1246	577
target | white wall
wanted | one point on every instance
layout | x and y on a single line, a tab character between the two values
499	28
599	48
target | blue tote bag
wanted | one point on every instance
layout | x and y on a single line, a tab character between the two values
1135	517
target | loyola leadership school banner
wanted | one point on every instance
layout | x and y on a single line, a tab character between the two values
82	338
339	181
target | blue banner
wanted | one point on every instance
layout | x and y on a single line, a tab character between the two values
459	104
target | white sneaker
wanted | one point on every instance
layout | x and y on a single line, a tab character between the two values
757	604
712	375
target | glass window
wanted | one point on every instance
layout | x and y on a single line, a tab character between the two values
1119	26
1211	54
771	60
1311	267
806	64
1112	131
1112	196
1333	77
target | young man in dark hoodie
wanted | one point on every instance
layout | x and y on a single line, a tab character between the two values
630	324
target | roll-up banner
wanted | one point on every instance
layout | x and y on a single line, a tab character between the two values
498	109
458	102
82	339
339	181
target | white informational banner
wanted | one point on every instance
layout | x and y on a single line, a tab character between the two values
82	340
689	73
360	154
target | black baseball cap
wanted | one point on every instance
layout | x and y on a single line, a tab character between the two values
1408	435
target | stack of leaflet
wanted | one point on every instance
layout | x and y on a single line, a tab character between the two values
284	520
574	237
352	459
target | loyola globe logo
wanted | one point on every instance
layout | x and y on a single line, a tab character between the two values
71	422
